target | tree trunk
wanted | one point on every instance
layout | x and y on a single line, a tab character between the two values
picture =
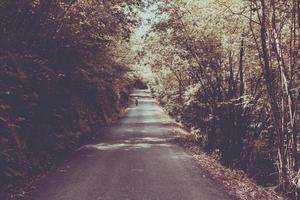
272	99
287	98
231	81
241	66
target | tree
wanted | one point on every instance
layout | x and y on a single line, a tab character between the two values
219	52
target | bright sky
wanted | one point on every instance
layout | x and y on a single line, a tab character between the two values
149	16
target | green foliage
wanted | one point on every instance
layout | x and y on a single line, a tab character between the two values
63	74
208	72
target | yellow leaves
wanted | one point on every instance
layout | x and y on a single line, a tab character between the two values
3	120
20	119
11	172
4	107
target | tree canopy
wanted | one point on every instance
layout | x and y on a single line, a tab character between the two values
230	69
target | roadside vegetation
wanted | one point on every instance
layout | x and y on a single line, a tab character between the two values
229	70
64	72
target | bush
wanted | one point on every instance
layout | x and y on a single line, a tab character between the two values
60	79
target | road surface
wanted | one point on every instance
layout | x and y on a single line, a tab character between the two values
136	160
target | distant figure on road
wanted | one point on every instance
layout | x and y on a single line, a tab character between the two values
136	101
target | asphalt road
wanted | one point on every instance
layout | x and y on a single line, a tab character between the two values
136	160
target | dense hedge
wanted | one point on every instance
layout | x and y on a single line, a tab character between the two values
62	76
233	131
